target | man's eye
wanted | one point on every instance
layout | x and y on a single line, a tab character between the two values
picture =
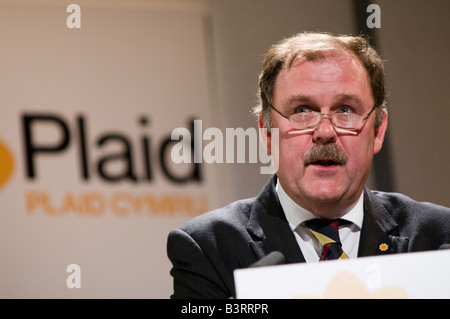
303	109
345	109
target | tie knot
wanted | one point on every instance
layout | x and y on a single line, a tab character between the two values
326	230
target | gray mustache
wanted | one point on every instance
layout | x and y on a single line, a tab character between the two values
325	152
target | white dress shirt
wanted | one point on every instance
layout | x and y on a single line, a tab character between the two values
309	245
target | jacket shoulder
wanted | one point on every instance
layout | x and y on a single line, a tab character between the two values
205	251
404	205
421	221
232	216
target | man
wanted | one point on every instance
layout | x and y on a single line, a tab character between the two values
325	97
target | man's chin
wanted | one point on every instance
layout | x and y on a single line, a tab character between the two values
324	194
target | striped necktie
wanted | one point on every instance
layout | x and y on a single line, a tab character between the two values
327	232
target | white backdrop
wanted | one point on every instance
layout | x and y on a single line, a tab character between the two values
84	116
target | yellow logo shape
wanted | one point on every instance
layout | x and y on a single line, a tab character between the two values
6	163
345	285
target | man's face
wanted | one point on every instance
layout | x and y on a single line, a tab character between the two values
326	86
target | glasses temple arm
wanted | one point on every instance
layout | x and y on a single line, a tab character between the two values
365	118
279	112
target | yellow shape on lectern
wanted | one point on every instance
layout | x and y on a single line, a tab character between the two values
344	285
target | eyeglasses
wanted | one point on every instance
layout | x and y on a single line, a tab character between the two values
310	119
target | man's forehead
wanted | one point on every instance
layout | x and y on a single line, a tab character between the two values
327	70
329	59
318	55
344	79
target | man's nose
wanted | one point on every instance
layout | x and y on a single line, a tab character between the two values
325	133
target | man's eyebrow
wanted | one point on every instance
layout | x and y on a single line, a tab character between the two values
300	98
339	98
349	97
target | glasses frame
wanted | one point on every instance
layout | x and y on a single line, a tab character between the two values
331	120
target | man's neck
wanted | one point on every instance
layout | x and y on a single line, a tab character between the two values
327	209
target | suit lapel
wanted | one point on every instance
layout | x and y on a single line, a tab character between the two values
271	232
269	227
379	234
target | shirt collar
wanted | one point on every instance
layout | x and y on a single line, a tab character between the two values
296	215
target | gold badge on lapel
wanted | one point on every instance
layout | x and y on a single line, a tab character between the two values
383	247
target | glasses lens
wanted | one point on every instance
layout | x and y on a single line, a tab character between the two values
304	120
347	120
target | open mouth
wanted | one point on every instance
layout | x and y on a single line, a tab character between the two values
325	163
325	155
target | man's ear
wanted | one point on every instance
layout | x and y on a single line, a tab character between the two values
265	134
380	133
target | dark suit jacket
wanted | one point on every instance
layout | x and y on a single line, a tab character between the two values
206	250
